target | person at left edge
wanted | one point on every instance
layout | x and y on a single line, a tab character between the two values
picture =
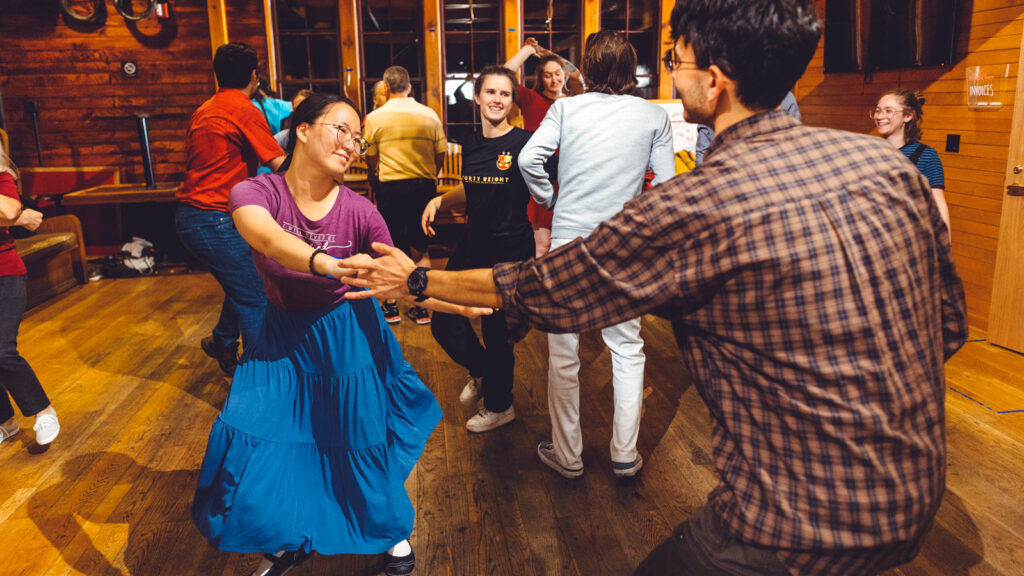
226	141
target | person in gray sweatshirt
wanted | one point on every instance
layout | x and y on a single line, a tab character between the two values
606	139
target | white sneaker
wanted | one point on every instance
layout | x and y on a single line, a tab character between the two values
47	427
471	392
8	431
486	420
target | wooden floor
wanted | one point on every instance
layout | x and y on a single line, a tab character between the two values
136	397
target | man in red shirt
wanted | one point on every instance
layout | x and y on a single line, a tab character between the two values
227	140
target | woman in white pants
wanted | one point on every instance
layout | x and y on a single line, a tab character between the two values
606	140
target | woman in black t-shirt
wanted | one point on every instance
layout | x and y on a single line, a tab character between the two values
494	196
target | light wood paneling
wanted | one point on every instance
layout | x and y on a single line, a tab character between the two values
1007	307
348	17
990	34
121	362
218	24
433	34
591	20
512	29
85	105
665	77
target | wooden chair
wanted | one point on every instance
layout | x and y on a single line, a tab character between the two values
451	178
357	178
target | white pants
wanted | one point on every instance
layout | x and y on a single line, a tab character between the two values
627	349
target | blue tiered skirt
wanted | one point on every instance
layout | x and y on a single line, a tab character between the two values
324	423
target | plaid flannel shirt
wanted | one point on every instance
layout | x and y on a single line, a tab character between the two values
809	278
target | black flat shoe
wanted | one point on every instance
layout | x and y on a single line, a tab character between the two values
285	562
399	565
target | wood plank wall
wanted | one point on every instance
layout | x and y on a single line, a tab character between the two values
990	34
73	71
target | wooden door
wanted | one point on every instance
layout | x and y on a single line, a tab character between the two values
1006	316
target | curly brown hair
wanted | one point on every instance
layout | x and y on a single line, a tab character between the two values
912	102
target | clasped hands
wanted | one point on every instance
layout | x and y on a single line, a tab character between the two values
386	278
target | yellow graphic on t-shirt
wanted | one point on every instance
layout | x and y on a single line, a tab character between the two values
504	161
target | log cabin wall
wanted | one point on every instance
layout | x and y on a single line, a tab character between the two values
989	34
73	71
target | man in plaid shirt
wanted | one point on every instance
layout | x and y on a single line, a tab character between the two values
808	275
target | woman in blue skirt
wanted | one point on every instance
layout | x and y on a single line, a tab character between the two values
325	420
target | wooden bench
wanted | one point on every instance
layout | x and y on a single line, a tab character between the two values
54	258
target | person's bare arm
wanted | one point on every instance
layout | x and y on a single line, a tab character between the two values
10	210
516	62
451	200
372	162
439	160
275	164
387	278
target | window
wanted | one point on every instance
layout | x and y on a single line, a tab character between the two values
308	46
638	20
471	41
556	25
392	35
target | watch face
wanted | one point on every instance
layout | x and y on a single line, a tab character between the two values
417	282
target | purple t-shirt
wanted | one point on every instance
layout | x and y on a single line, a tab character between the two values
349	228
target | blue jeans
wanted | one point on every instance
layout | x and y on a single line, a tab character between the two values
211	237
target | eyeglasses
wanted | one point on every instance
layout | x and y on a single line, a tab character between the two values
343	136
671	64
884	112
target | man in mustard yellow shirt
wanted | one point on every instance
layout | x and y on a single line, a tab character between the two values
407	149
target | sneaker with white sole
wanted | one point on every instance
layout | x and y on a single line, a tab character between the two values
628	469
486	420
391	313
471	391
546	451
47	427
8	431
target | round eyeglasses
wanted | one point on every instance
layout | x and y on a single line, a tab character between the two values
343	136
884	112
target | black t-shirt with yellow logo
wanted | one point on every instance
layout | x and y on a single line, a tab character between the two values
496	194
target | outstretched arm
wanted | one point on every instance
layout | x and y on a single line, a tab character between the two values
516	62
387	278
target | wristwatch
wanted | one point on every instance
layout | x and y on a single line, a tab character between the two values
417	283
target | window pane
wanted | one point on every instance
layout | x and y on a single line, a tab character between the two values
290	15
406	53
293	57
406	15
613	14
456	16
457	54
323	56
485	50
458	100
376	54
566	15
485	15
643	14
567	45
375	15
535	13
647	57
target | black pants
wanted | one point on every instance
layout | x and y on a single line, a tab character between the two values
16	376
401	203
702	547
495	360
